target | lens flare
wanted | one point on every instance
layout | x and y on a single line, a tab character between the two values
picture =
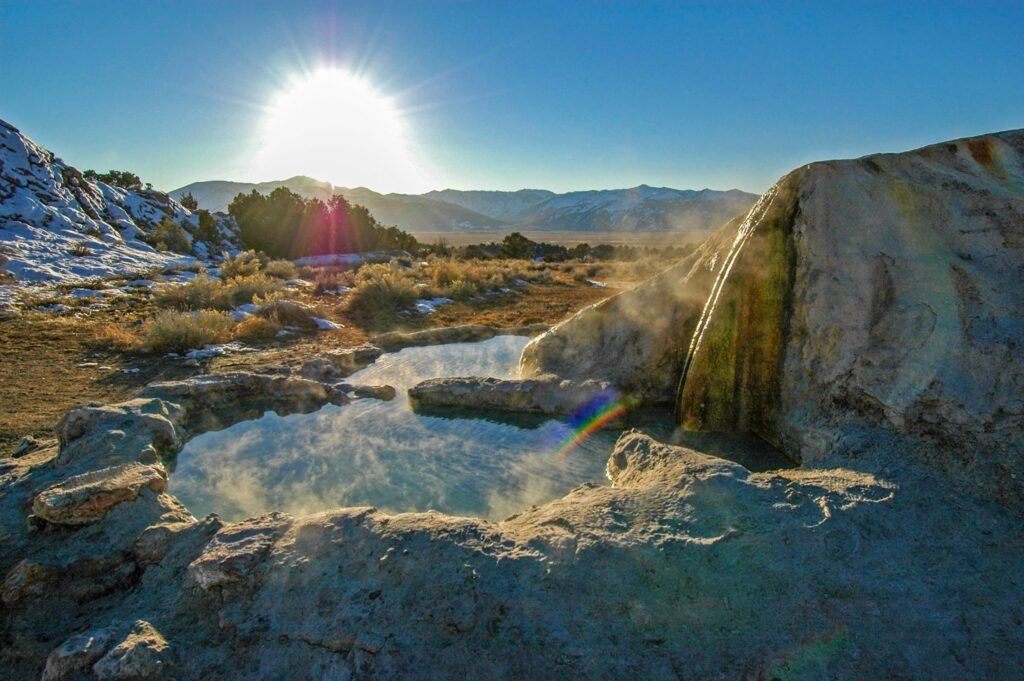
592	417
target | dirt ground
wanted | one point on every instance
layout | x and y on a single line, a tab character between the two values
50	363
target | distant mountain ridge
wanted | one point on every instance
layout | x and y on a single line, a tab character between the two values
638	209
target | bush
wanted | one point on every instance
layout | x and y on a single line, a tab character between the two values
242	290
169	236
329	280
256	328
174	331
118	337
80	249
203	293
289	313
188	202
244	264
281	269
207	230
198	294
381	292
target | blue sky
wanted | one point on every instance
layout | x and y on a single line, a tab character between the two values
504	95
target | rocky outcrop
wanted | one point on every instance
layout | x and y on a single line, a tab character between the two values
879	293
86	498
57	224
340	363
548	395
76	656
466	333
143	654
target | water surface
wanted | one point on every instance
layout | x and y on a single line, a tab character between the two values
383	454
374	453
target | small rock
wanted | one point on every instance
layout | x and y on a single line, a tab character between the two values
377	392
143	654
26	445
76	654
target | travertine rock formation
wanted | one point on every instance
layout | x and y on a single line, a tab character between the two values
879	293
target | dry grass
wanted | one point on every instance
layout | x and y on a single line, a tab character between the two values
281	269
80	249
289	313
175	331
256	328
118	337
381	293
203	293
244	264
329	279
463	279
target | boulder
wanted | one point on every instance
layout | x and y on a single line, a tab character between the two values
235	551
878	293
548	395
340	363
76	655
143	654
376	392
86	498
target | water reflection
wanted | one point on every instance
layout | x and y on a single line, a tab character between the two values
382	454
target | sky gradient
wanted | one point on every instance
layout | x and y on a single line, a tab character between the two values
504	95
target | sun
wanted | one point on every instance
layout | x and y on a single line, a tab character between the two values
334	126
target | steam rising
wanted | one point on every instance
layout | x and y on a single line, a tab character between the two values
382	454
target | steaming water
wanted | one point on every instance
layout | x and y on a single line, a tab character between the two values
383	454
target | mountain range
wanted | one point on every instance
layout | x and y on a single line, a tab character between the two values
638	209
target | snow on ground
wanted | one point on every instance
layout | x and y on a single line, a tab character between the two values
428	306
208	351
55	225
326	324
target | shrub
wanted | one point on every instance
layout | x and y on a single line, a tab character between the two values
203	293
174	331
247	289
462	289
289	313
256	328
207	230
200	293
118	337
169	236
329	280
189	202
244	264
381	292
281	269
80	249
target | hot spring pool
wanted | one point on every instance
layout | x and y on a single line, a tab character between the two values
383	454
375	453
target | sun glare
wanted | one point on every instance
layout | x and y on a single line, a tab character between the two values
333	126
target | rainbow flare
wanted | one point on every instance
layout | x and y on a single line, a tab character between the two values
590	418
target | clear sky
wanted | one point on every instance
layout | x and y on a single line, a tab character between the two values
506	95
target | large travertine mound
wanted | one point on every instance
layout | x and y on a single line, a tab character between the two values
880	292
